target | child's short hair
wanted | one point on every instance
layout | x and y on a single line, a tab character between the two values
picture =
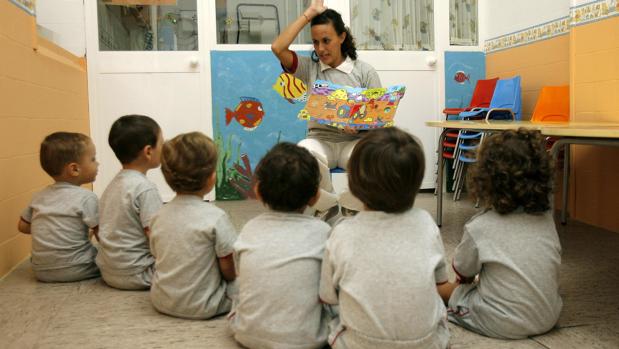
513	170
187	161
288	177
130	134
385	170
61	148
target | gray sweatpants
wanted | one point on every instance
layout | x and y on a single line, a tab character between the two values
140	281
69	274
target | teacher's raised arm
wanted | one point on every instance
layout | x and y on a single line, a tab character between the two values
282	42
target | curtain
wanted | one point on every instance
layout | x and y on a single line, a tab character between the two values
463	22
393	25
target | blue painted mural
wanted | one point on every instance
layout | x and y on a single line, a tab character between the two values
254	108
462	70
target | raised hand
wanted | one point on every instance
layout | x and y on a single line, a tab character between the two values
316	7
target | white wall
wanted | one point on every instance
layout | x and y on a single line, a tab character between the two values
575	3
63	23
502	17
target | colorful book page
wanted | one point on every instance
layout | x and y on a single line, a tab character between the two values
354	107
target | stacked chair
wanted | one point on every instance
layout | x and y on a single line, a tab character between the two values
482	95
506	104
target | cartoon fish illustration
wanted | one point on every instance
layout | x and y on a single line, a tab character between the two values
292	89
461	77
248	113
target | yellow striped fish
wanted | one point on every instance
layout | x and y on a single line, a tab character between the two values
291	88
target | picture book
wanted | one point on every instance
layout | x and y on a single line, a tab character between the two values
354	107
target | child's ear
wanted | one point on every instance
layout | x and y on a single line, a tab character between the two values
73	169
314	199
210	182
148	151
256	191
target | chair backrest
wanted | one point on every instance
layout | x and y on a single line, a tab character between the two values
482	95
507	94
553	104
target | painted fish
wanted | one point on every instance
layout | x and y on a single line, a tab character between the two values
291	88
248	113
461	77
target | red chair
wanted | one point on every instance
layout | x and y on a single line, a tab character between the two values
482	95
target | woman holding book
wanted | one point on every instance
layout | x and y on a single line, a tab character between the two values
334	59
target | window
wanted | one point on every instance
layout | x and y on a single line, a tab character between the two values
393	25
258	22
463	24
172	25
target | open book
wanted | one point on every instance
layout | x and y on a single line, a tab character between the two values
355	107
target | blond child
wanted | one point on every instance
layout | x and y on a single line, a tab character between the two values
512	246
128	204
383	266
59	217
192	240
278	256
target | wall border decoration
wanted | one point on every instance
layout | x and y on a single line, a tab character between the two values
593	11
581	14
547	30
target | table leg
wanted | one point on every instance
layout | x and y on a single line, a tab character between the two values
566	181
439	179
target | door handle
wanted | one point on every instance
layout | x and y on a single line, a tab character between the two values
194	62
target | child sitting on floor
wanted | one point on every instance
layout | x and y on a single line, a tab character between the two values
384	265
512	246
278	256
128	204
192	240
60	217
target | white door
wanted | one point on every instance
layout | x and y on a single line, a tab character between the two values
420	70
146	60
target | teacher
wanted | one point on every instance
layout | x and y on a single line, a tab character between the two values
334	59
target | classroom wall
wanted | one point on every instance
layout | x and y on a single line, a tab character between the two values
529	38
542	63
63	24
594	57
503	17
41	92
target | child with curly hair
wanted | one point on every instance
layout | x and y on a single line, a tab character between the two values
192	240
512	246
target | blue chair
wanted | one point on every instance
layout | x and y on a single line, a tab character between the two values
506	104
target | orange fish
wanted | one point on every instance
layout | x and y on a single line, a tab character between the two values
248	113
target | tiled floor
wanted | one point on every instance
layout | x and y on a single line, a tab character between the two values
90	314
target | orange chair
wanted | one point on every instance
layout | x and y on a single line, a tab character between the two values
553	104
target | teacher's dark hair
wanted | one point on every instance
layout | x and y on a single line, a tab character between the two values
331	16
